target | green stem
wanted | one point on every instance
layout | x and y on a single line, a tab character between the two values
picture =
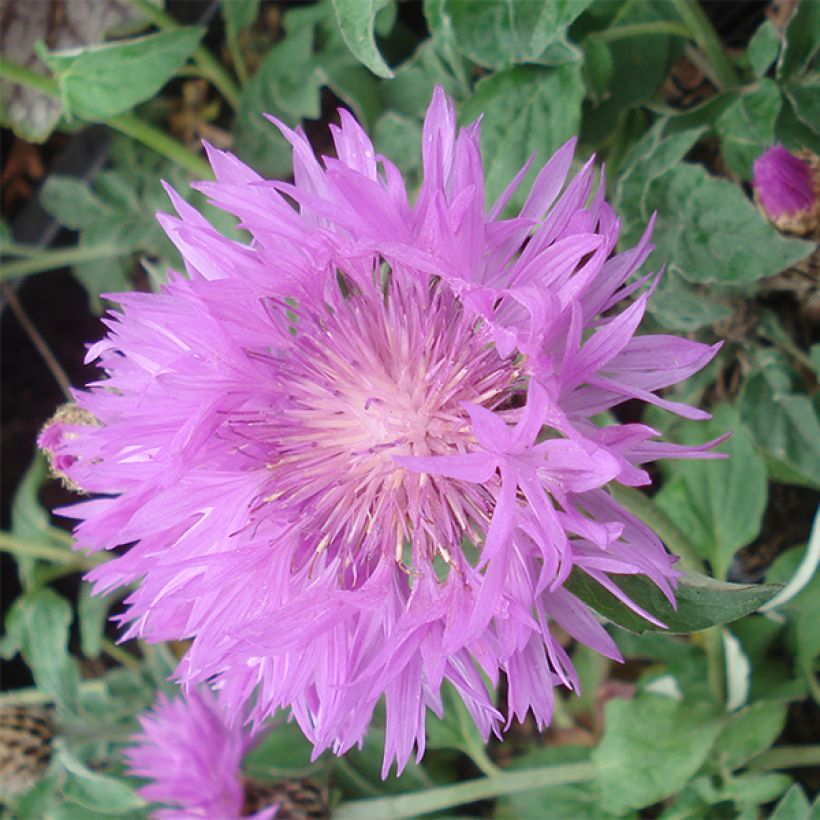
45	552
445	797
211	68
786	757
637	29
22	75
478	754
20	249
123	657
237	58
785	344
703	33
127	124
160	142
59	258
643	507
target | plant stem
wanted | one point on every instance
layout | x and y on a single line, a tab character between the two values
120	655
22	75
445	797
478	754
786	757
643	507
20	249
37	340
59	258
127	124
703	33
163	144
211	68
57	555
637	29
237	58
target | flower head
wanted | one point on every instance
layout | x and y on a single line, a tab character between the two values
357	458
193	759
788	187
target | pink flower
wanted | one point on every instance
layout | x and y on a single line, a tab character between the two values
358	457
193	759
783	182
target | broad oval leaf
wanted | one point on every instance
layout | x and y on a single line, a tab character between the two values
498	33
99	82
651	747
526	110
357	19
98	792
701	601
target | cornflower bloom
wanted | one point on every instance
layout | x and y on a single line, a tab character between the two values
359	456
193	760
788	188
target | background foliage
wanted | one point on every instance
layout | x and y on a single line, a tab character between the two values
678	100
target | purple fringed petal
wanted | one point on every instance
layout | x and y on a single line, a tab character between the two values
783	182
356	459
192	759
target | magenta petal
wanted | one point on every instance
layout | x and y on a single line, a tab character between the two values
356	458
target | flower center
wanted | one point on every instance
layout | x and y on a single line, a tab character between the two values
379	375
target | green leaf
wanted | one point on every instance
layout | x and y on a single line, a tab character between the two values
746	128
357	88
455	729
794	805
37	627
287	80
598	67
753	789
678	305
498	33
803	611
239	14
695	235
696	212
654	156
650	749
98	792
783	421
793	131
410	90
118	209
31	522
805	99
28	518
398	137
802	41
763	48
92	611
288	85
99	82
701	601
284	752
751	731
640	63
527	110
360	775
72	202
674	657
39	800
718	503
356	20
